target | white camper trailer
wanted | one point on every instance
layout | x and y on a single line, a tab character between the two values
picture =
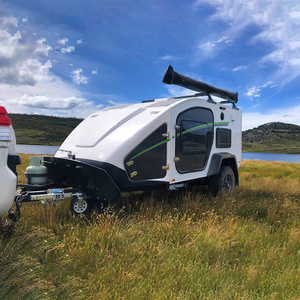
164	143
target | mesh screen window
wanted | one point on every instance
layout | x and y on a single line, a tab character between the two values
223	138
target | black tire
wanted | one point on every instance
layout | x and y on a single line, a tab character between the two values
224	181
79	207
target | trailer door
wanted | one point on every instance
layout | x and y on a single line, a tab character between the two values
194	139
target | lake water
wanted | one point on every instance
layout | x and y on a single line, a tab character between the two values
272	156
37	149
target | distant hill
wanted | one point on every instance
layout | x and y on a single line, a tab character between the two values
274	137
42	130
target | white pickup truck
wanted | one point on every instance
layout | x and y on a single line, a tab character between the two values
8	161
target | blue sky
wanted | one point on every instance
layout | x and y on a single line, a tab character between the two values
71	58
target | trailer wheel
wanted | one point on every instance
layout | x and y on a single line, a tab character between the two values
79	207
224	181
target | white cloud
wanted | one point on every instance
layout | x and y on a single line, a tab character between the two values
68	49
279	25
79	42
113	103
168	57
25	20
8	23
254	91
63	41
269	84
238	68
208	49
46	97
78	77
95	72
20	58
223	39
42	50
177	91
48	102
286	115
26	80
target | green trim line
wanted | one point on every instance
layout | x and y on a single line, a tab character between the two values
167	140
220	123
208	124
193	128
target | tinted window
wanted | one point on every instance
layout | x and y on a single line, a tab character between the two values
193	137
147	159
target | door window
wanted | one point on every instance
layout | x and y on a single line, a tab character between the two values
193	137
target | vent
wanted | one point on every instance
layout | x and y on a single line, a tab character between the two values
223	138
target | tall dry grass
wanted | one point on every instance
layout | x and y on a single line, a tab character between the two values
163	245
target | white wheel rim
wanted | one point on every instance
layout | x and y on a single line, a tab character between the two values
80	207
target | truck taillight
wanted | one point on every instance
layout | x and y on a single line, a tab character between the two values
4	119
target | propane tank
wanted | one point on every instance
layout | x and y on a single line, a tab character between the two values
8	180
36	172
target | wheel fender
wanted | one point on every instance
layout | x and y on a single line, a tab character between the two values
224	158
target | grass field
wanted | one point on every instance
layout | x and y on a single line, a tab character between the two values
42	130
166	245
288	147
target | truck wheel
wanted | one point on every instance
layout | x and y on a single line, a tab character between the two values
79	207
224	181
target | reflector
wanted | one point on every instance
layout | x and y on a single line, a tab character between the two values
3	111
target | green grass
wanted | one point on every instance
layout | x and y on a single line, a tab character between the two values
288	147
42	130
163	245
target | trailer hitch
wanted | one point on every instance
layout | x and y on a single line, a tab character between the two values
50	196
14	215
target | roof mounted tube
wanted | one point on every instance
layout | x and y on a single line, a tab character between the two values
172	77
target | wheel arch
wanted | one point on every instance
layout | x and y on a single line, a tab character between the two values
227	159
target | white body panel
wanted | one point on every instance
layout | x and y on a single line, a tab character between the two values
8	180
124	133
111	134
13	144
232	116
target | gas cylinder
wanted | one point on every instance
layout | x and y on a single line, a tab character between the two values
8	180
36	172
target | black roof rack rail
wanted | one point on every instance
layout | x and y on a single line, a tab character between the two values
146	101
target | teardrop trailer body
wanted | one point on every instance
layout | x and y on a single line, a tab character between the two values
165	143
